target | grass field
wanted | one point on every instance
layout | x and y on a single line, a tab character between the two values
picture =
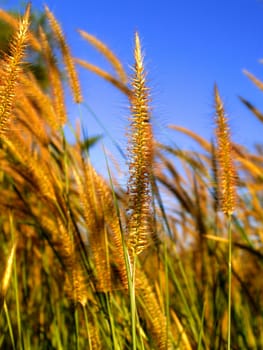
173	260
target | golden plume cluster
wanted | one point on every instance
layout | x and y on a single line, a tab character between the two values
10	71
140	152
227	173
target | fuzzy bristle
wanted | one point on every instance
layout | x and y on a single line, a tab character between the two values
140	151
55	80
67	57
10	72
106	52
227	173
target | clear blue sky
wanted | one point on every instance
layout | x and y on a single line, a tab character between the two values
189	45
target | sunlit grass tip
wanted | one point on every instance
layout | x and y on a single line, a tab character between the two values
140	154
227	172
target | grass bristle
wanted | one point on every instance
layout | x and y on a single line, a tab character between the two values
140	153
227	173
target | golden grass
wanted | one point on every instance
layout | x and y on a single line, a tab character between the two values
227	173
10	71
67	57
55	80
109	55
88	263
140	153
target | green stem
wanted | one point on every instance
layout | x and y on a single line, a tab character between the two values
9	326
133	305
76	327
229	231
167	295
87	327
111	320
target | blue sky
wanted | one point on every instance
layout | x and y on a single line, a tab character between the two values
189	45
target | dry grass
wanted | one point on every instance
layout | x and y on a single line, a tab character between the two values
86	263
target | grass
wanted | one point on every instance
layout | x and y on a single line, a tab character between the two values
171	261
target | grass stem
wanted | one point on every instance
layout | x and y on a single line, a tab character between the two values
229	230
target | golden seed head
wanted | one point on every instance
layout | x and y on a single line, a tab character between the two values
140	158
67	57
227	173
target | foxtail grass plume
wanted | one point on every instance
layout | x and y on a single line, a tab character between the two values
67	57
89	188
226	169
56	83
105	75
107	53
140	153
14	23
11	70
157	319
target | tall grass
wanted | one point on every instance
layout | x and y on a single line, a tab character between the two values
89	264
